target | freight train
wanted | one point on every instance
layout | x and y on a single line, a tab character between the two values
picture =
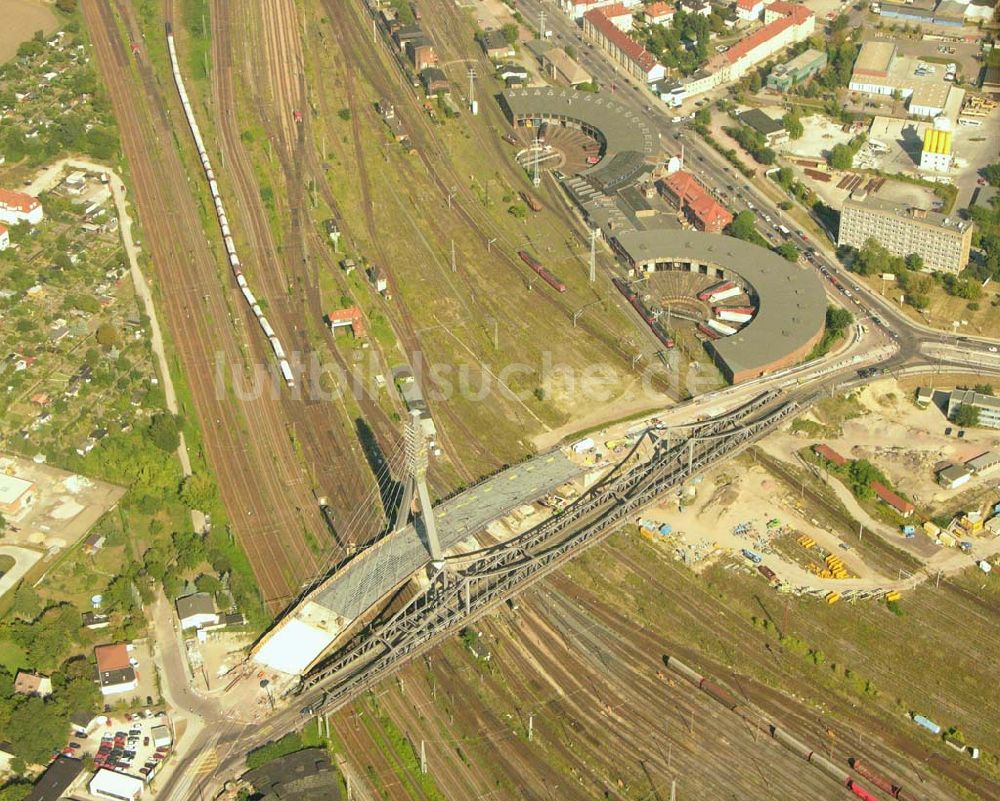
220	212
720	287
633	298
546	276
794	745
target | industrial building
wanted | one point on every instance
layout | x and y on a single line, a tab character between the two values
943	242
798	70
16	495
17	207
881	70
772	130
116	785
954	476
631	56
790	300
988	406
886	495
936	155
699	207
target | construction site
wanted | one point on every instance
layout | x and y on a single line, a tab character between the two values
571	689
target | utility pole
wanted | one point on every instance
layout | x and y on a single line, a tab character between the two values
541	23
453	268
536	178
423	758
531	727
593	255
451	194
489	244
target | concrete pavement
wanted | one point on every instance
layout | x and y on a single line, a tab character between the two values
24	559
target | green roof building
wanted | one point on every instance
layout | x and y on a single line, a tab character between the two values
803	66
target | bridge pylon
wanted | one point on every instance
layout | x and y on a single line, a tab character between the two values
416	481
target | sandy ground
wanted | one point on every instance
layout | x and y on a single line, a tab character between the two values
65	507
21	19
818	138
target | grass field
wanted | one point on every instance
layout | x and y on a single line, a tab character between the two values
12	657
22	18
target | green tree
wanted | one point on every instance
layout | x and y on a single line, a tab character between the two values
206	582
35	728
914	262
841	157
788	251
163	432
991	172
107	335
743	227
198	492
510	32
66	6
966	415
518	210
15	791
793	125
837	319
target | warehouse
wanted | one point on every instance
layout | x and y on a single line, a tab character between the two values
16	495
116	786
790	301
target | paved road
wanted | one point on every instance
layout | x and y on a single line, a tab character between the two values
23	558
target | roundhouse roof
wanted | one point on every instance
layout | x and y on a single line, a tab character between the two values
623	130
790	298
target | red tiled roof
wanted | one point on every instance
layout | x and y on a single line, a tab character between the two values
747	5
17	200
798	12
111	657
758	37
351	315
659	9
891	498
692	194
631	48
830	454
615	10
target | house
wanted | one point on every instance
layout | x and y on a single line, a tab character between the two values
886	495
26	683
378	279
697	204
954	476
434	81
116	786
59	776
495	45
772	130
511	70
828	453
349	317
16	494
196	610
115	672
95	541
749	10
658	14
17	207
4	237
95	620
619	16
700	7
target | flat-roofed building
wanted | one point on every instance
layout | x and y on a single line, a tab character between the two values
943	242
988	406
880	69
16	494
797	70
984	464
954	476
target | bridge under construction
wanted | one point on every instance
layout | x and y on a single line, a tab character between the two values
355	627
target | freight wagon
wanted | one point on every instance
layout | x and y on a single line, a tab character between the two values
720	328
725	294
545	275
734	314
720	287
708	332
533	203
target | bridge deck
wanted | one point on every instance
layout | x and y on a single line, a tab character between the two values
306	632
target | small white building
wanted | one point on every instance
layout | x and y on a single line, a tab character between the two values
749	10
658	13
4	237
954	476
17	207
116	786
161	736
197	610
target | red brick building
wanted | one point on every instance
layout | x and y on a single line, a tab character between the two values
698	205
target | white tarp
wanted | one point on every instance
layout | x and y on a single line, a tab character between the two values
293	647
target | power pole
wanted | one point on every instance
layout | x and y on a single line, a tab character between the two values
423	758
531	727
453	268
541	23
489	244
673	790
593	255
536	178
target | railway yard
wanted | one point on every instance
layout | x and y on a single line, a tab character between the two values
769	628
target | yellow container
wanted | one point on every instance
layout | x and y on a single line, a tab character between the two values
893	596
833	597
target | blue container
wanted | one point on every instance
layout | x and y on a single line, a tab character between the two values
928	724
909	530
665	530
